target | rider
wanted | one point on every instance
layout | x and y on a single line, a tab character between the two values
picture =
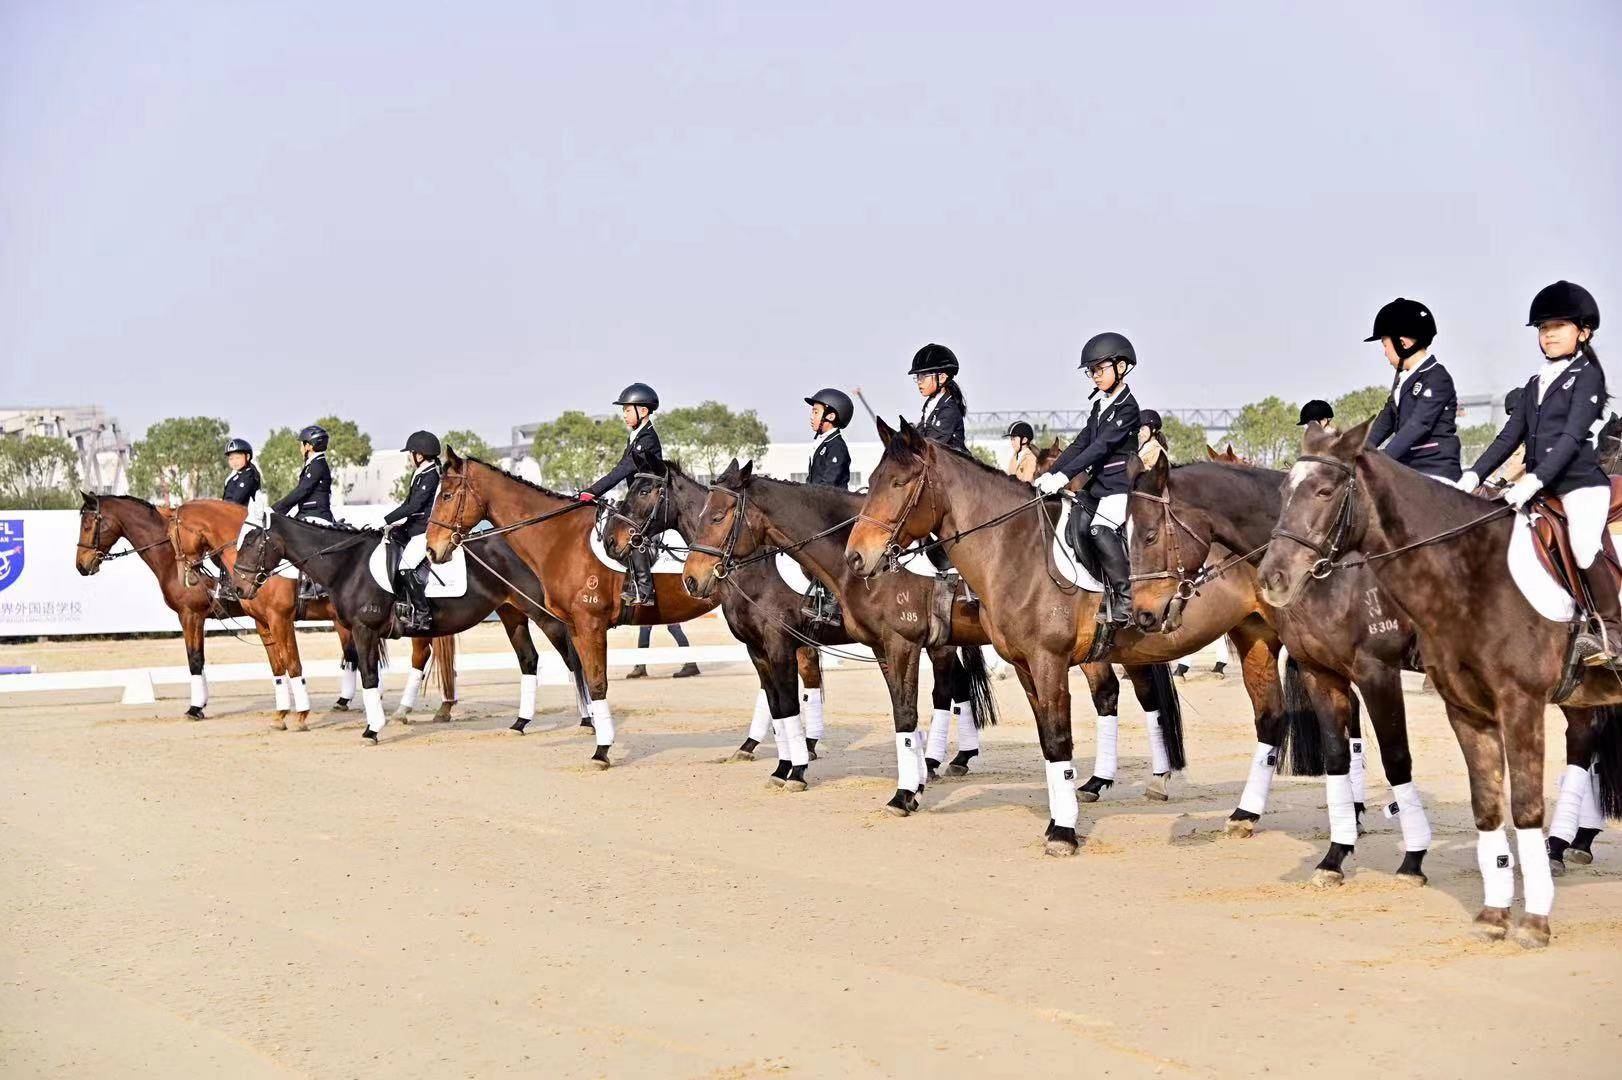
1418	423
243	483
311	498
1101	450
1152	444
1562	408
643	454
408	530
831	411
1022	460
1315	410
934	370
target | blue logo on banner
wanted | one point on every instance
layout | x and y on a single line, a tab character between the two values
11	551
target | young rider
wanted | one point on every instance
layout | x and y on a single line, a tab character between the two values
934	371
311	498
1151	440
1317	410
831	410
243	483
643	454
408	528
1022	459
1418	425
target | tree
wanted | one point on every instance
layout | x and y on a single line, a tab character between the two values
465	442
346	443
180	458
985	455
37	472
1265	433
280	460
1185	442
1357	406
1474	440
708	435
573	450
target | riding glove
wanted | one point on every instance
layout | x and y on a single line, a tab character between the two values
1468	483
1050	483
1522	490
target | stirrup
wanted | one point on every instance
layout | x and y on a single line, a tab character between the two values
1591	652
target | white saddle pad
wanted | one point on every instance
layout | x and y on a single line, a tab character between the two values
789	570
1069	566
1540	588
666	563
445	580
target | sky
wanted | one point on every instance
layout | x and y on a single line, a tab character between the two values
482	214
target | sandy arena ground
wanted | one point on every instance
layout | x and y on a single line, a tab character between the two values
219	899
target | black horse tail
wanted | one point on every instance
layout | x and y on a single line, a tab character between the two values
1302	752
443	670
1170	707
973	685
1608	760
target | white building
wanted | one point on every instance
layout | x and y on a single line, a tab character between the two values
99	441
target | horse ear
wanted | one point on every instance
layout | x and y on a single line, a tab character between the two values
1348	444
89	499
745	473
451	456
909	435
886	432
1211	452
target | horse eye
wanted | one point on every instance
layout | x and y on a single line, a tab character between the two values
1149	537
1323	493
897	482
715	519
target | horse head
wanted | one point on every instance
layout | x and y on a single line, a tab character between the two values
1319	522
894	514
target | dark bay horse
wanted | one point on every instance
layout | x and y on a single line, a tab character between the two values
745	516
1441	556
106	519
551	535
999	537
337	556
1344	630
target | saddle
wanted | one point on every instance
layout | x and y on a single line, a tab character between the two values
1553	544
950	589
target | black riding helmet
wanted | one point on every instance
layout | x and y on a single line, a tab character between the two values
835	401
1019	429
239	446
315	435
1404	318
1149	418
932	358
1105	347
1316	409
1563	300
425	443
638	393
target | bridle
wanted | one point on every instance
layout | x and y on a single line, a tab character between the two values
726	559
653	524
1330	546
102	554
890	556
1187	583
464	482
193	568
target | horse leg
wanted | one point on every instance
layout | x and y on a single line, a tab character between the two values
808	660
1331	697
1161	761
348	666
422	650
964	714
899	662
1050	674
278	673
1522	719
1106	690
191	628
594	664
1380	686
516	624
1482	742
779	678
1603	797
945	665
368	656
444	650
1258	660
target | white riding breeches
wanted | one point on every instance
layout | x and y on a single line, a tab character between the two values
1111	511
1586	511
415	551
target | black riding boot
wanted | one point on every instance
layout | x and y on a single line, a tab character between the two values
411	602
1117	570
638	591
1602	590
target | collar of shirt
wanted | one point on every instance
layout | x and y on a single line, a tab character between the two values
317	454
634	432
1549	372
424	467
931	403
1403	377
1109	402
824	437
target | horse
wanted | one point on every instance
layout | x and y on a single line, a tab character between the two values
106	519
338	557
1441	556
1225	456
1177	514
547	531
999	534
203	530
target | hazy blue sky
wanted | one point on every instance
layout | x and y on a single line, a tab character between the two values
473	215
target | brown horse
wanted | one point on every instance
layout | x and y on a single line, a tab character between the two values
999	537
106	519
1442	556
551	533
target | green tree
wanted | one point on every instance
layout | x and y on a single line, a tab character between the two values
1185	441
465	443
180	458
1357	406
708	435
347	444
279	458
1473	440
573	449
37	472
985	455
1265	433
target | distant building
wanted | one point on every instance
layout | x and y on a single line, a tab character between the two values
99	441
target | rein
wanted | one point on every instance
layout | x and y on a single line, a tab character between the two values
109	556
1188	584
891	557
727	560
460	536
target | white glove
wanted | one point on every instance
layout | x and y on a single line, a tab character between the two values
1522	490
1050	483
1468	483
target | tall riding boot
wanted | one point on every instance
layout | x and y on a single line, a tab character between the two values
1117	570
638	591
1608	609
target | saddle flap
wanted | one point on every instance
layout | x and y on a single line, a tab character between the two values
1552	540
445	580
1065	559
666	563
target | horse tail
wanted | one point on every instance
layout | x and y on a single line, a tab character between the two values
1608	760
1170	707
975	685
443	669
1302	752
380	653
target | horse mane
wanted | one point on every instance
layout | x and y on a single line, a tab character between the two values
337	527
132	498
1014	483
499	471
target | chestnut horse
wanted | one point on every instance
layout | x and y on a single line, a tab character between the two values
1442	558
106	519
999	535
551	533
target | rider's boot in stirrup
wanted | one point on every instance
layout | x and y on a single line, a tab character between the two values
1602	651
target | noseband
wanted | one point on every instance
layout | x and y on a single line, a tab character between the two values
457	534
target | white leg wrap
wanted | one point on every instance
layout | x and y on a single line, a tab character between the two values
526	697
780	733
1342	812
348	677
199	690
301	693
1359	782
284	697
1159	760
798	752
1263	763
968	736
1410	813
1589	816
940	728
918	757
811	711
1222	654
1573	789
413	690
761	725
1498	867
1109	730
602	721
906	760
1062	806
375	716
1537	880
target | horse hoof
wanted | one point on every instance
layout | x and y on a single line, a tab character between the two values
794	785
585	721
1241	828
368	737
1083	795
957	770
1328	879
442	716
341	705
739	755
402	716
519	725
1492	923
1157	789
1557	868
280	723
1579	856
600	762
195	712
1060	848
1531	931
813	752
1413	878
902	803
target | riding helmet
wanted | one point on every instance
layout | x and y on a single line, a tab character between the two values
315	435
425	443
932	358
1512	400
1019	429
1102	348
638	393
239	446
1149	418
1404	318
1316	409
835	401
1563	300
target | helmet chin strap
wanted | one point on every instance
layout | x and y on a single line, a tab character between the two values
1405	352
